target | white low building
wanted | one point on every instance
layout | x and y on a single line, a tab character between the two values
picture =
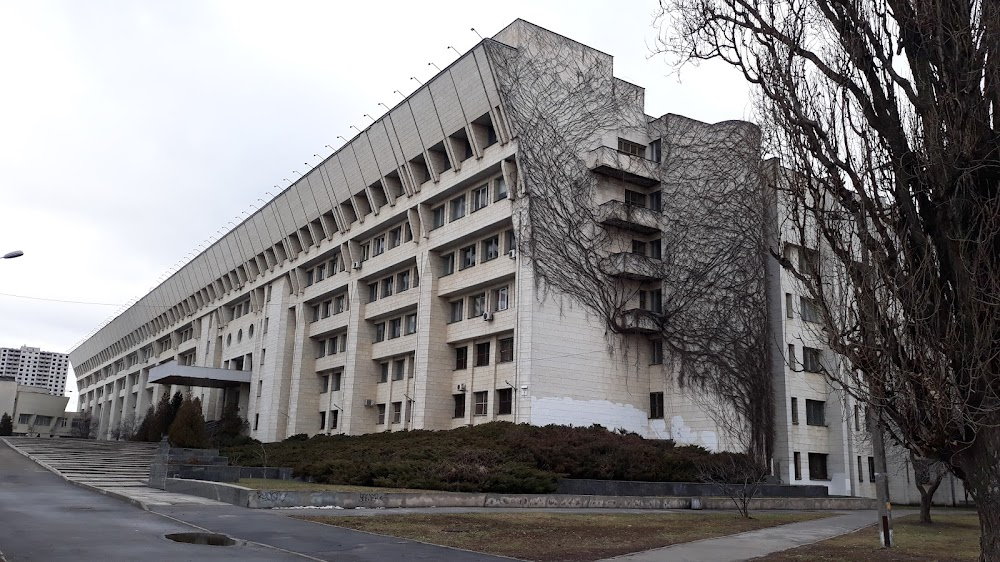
33	411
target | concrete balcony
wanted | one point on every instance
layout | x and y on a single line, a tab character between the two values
638	321
172	373
636	267
635	170
629	217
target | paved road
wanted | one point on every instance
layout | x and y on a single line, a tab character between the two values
44	518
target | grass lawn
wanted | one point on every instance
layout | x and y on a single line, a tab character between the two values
297	486
561	536
953	537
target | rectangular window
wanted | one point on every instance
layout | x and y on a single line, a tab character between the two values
256	421
437	217
505	401
381	413
506	346
491	248
857	418
500	189
651	300
656	201
320	272
461	357
871	469
260	388
24	418
456	310
324	384
792	363
655	352
457	208
798	466
480	197
378	245
343	343
788	305
365	248
387	286
395	328
448	264
810	310
808	261
635	198
322	420
815	412
397	412
336	381
395	237
639	247
339	304
795	411
631	148
482	354
655	249
372	292
477	305
380	332
459	405
383	372
320	349
398	369
481	398
468	257
411	324
861	470
316	313
500	301
334	414
811	360
309	278
817	467
656	405
403	280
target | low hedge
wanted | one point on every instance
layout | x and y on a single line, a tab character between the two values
494	457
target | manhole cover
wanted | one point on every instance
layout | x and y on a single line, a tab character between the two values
211	539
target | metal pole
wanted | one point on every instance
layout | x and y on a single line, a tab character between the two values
881	480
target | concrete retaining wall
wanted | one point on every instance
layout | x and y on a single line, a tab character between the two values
682	489
265	499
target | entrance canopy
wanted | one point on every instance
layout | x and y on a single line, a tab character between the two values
189	375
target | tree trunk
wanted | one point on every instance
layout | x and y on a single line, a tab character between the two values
926	498
980	471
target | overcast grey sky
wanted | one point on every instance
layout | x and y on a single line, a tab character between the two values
130	132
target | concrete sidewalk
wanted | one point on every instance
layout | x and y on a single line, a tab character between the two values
749	545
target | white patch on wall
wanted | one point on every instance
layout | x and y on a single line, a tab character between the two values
683	434
567	411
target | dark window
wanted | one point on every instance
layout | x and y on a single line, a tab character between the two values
635	198
459	405
482	354
795	411
815	412
655	352
380	332
817	466
861	471
437	217
336	381
505	401
810	310
381	414
798	466
398	370
501	189
656	405
468	255
322	420
639	247
457	309
448	264
506	349
458	208
631	148
871	469
334	414
397	412
372	292
811	360
324	384
491	248
383	372
461	357
788	305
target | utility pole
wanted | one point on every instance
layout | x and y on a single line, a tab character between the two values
881	479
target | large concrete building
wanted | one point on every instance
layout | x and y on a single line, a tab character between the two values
35	412
33	367
407	281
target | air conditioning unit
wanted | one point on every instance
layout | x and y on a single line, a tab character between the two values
369	403
460	388
488	316
356	265
512	254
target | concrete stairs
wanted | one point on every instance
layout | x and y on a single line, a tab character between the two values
102	464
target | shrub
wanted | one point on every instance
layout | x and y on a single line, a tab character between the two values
6	425
188	428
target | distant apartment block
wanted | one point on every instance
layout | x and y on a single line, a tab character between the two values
30	366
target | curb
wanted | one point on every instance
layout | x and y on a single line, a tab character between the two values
90	487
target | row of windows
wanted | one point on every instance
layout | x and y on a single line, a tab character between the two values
396	368
478	198
871	470
653	201
388	286
240	309
477	304
333	417
808	309
325	309
325	269
331	346
397	412
817	466
397	327
505	353
815	412
386	241
481	252
239	335
329	381
481	399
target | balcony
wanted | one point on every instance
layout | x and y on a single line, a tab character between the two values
610	162
638	321
629	217
636	267
172	373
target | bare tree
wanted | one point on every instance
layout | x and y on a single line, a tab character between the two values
682	260
886	114
738	476
126	428
927	475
